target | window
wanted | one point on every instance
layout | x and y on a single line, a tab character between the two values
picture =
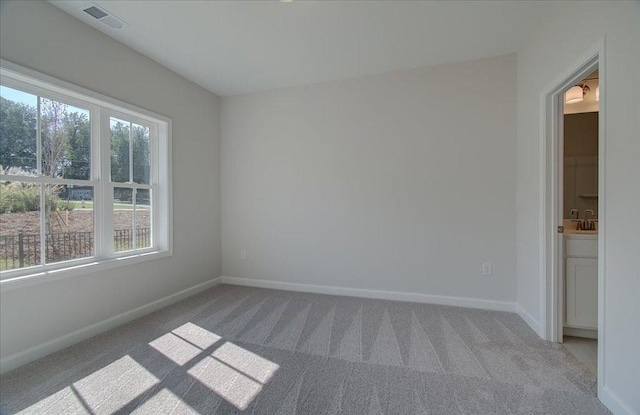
84	179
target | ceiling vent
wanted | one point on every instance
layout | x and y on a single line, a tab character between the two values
104	17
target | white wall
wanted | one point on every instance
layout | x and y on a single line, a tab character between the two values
41	37
551	53
402	181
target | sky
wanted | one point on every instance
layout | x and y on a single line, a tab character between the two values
30	99
18	96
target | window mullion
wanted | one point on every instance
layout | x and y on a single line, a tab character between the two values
106	188
135	226
43	224
43	221
134	189
131	152
153	158
154	180
47	180
97	178
152	215
38	139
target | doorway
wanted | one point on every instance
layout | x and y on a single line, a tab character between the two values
569	306
579	181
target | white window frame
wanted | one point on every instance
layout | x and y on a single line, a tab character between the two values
101	108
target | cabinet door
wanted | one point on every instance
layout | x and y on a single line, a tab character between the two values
582	292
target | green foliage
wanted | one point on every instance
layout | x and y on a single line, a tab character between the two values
25	197
58	204
65	134
120	153
78	151
17	134
19	197
66	142
140	144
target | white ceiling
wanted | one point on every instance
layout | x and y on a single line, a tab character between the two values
235	47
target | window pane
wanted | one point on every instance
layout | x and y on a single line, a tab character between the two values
69	222
141	153
19	225
66	140
120	133
122	219
143	218
18	123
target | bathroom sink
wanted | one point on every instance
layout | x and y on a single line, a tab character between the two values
571	228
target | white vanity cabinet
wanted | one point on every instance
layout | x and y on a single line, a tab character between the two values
581	282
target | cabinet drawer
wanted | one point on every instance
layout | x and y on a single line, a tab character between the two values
586	248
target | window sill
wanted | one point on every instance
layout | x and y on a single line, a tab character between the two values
75	269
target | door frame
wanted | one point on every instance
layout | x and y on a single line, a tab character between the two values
551	242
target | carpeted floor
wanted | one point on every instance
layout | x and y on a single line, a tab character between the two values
247	350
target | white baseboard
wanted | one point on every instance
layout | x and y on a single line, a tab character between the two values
384	295
528	318
51	346
576	332
614	403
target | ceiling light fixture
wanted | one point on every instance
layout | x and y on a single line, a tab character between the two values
576	93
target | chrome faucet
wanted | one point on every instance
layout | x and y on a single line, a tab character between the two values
588	224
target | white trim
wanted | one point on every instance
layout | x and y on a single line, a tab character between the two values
105	193
548	275
47	180
612	401
67	89
74	268
528	318
379	294
51	346
550	98
602	199
580	332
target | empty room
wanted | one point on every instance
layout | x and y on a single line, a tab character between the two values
319	207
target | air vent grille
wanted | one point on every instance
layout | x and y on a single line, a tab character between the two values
104	17
95	12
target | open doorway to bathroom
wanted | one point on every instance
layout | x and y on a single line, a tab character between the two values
572	274
579	167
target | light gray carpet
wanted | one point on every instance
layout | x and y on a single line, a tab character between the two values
247	350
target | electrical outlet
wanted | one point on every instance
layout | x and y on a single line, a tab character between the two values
487	268
243	254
